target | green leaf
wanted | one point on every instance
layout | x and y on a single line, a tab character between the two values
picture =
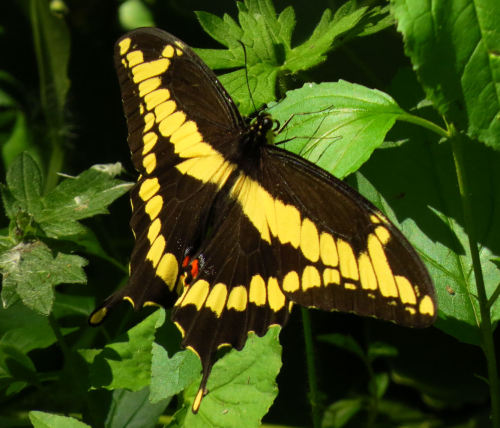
50	420
132	409
16	369
25	329
24	181
81	197
169	376
380	349
378	384
242	386
341	412
31	270
458	65
135	14
339	125
126	362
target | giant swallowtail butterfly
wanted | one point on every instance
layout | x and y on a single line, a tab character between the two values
231	230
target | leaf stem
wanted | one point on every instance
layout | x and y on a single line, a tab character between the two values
311	368
484	307
431	126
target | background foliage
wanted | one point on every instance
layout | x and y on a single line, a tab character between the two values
401	98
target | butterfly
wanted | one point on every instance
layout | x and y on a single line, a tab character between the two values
230	230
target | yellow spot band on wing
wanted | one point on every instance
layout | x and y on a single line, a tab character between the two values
150	69
406	293
148	86
426	306
237	298
196	294
124	45
168	51
348	265
149	188
154	206
383	234
291	282
276	297
156	250
309	240
134	58
257	291
149	163
329	255
154	230
171	123
383	272
366	273
331	276
168	269
310	278
164	110
217	299
157	97
149	141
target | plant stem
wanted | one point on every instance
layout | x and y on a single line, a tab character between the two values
431	126
311	368
484	307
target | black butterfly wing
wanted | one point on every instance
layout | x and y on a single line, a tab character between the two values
176	112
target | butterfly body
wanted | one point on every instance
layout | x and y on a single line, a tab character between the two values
231	230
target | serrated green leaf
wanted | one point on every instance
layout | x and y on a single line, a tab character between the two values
126	362
24	181
50	420
31	270
132	409
81	197
339	125
242	386
458	66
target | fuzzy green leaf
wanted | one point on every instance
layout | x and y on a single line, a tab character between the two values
30	272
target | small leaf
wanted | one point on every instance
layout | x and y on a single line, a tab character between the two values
126	362
341	412
241	388
380	349
132	409
378	384
50	420
30	271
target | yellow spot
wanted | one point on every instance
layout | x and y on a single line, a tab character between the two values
129	299
150	303
291	282
148	188
149	141
150	69
198	398
156	250
350	286
331	276
178	52
156	98
196	294
374	219
149	120
237	298
309	240
310	278
257	291
329	255
382	234
348	265
149	85
371	296
149	163
164	110
171	123
212	169
275	296
98	316
426	306
153	207
183	332
406	293
141	108
411	310
381	267
168	270
194	148
366	273
134	58
217	299
154	230
124	45
168	51
288	219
